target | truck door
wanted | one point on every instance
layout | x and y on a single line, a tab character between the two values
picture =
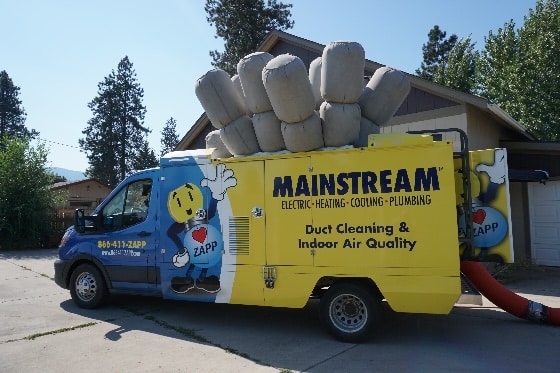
126	246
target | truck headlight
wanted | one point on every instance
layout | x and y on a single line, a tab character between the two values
64	238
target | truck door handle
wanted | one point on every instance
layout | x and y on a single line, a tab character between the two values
144	233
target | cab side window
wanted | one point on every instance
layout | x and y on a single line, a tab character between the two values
129	206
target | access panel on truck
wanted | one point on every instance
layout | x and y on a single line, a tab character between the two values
387	213
275	224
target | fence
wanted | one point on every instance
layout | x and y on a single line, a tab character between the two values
61	221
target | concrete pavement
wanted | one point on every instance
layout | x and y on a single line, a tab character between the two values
42	330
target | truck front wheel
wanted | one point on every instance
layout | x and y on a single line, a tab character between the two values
349	311
87	286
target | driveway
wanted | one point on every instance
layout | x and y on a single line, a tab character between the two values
41	330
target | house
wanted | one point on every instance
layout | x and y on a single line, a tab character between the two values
82	194
535	207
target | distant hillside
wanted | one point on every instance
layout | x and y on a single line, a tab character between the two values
70	175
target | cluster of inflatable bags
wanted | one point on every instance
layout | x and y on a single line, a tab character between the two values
273	103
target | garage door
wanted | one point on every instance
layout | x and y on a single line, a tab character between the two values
544	209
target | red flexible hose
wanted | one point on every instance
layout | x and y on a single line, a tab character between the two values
505	298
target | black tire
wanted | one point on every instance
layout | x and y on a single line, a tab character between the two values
87	286
349	311
496	258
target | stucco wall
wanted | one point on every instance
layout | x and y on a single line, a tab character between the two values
483	132
449	117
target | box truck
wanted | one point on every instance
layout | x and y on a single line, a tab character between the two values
351	226
314	203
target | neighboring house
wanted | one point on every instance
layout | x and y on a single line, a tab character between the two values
535	207
84	194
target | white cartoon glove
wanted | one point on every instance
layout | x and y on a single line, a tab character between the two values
496	171
181	259
220	182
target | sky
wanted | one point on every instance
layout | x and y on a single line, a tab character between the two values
58	51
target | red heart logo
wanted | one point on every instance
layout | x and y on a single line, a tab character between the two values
199	234
478	216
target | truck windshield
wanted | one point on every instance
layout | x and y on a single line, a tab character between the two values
129	206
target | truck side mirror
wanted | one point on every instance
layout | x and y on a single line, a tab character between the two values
108	222
79	221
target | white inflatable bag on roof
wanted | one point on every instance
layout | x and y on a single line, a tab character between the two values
367	128
341	123
250	69
239	137
315	80
237	84
213	140
342	72
218	97
303	136
383	95
289	90
268	131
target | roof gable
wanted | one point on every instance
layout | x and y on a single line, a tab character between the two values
66	184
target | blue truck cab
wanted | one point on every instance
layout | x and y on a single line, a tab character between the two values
116	243
157	233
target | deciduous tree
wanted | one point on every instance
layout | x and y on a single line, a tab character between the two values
458	70
26	200
539	50
520	70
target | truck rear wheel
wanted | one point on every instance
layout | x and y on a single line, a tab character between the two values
349	311
87	286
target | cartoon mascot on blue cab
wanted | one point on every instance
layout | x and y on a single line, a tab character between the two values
202	246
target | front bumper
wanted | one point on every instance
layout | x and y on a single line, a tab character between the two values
60	273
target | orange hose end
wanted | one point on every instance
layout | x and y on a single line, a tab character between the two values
505	298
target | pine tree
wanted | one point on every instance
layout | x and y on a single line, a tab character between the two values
169	136
12	114
243	24
435	52
115	133
146	157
